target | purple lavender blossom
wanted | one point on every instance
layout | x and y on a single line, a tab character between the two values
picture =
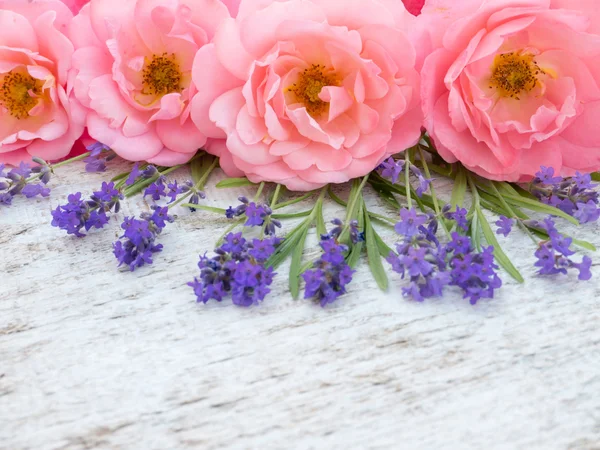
330	275
391	169
587	212
575	196
423	182
24	180
78	214
156	190
256	215
237	268
355	234
138	242
459	215
100	154
553	254
504	225
133	175
410	222
474	273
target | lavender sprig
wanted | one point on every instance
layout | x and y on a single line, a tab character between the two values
24	180
575	196
78	214
99	155
238	268
392	169
138	242
330	275
553	254
256	215
431	266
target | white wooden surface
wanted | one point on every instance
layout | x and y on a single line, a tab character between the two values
93	358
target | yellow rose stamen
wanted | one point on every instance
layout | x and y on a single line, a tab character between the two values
19	93
309	85
161	75
514	73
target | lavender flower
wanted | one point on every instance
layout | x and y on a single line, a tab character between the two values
423	182
474	273
156	190
237	268
553	255
356	236
256	215
459	215
504	225
431	266
330	275
24	180
100	154
138	242
410	222
575	196
391	169
78	214
419	256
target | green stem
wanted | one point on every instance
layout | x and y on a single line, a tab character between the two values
261	186
275	196
291	202
228	230
198	186
353	201
436	206
59	164
407	178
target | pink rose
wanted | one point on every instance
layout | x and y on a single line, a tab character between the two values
132	69
36	116
514	84
308	92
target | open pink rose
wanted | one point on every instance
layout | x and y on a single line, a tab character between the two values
132	69
36	117
308	92
514	84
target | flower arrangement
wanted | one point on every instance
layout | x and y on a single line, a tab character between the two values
292	96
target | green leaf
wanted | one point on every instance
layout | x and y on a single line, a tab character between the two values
458	190
374	256
199	165
335	198
536	205
291	215
595	176
288	244
293	201
384	249
475	232
234	182
387	197
295	266
500	256
320	220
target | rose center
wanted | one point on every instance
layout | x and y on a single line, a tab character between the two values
161	75
309	85
19	93
514	73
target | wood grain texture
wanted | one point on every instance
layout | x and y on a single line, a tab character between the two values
94	358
